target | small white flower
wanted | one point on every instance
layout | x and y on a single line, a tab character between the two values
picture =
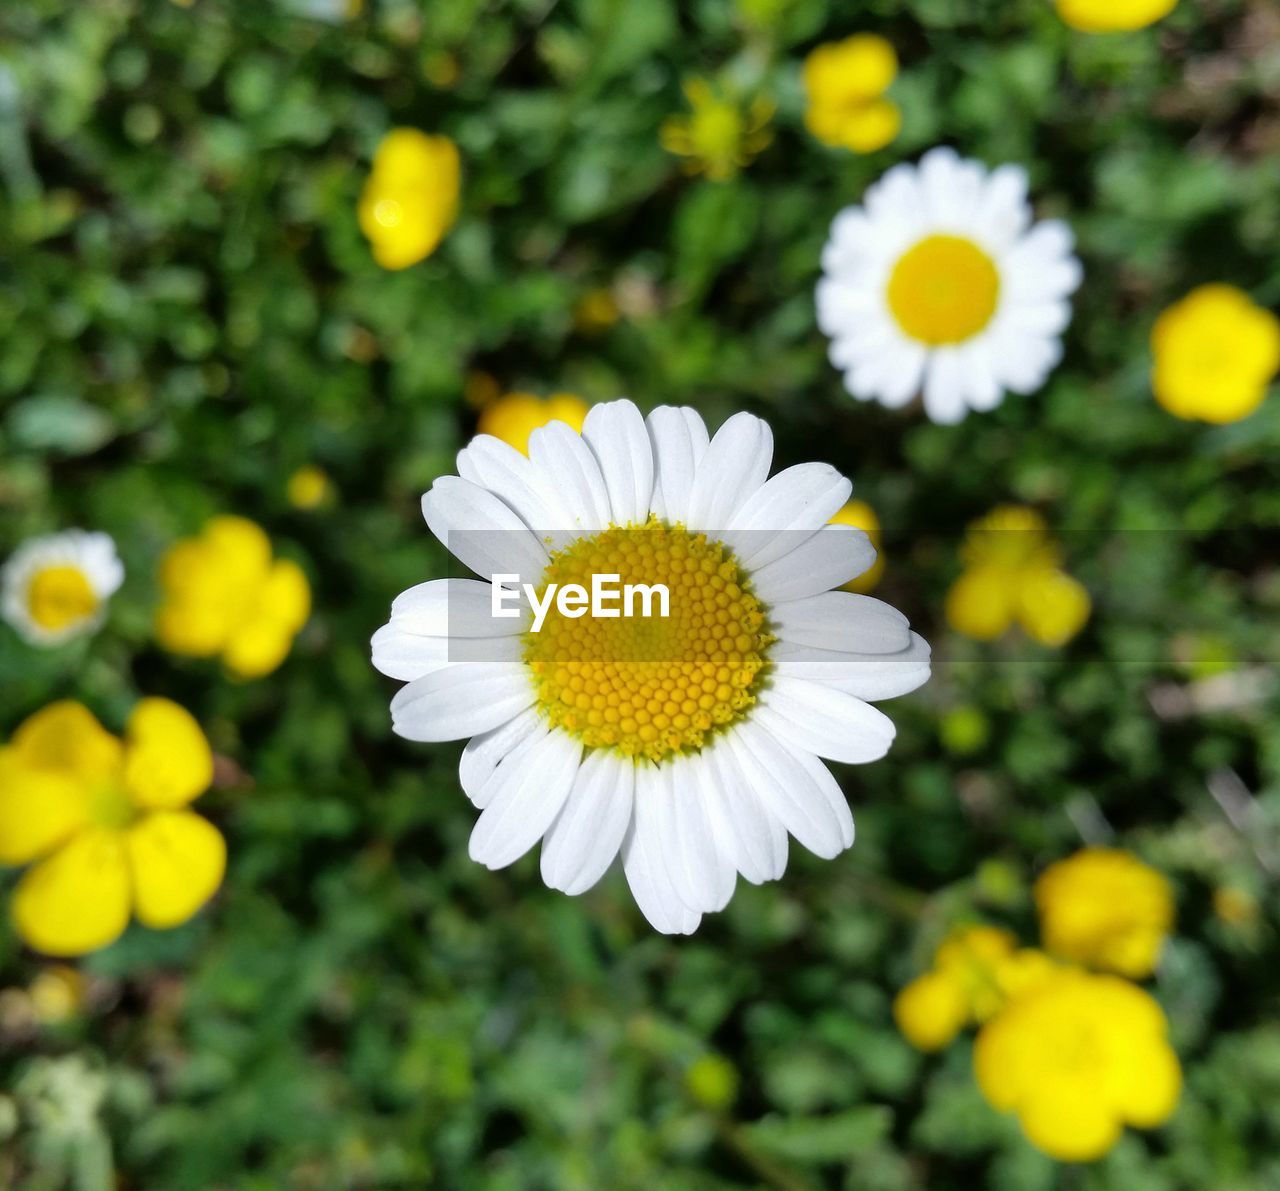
939	282
56	587
689	744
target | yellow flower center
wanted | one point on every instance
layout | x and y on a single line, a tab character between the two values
649	685
60	596
943	290
111	807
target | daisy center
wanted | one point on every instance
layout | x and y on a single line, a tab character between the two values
59	596
943	290
651	685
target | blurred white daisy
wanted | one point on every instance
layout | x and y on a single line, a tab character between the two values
940	283
688	744
57	587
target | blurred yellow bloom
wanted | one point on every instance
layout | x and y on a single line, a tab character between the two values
1012	575
106	820
1215	354
1103	907
595	312
862	516
1077	1058
309	487
975	971
718	137
517	415
712	1081
57	994
1112	16
411	196
224	596
845	82
931	1011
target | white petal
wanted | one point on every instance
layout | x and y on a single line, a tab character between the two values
736	464
484	753
616	432
451	608
405	656
798	500
830	557
791	793
843	620
642	861
870	676
583	841
680	441
750	835
525	799
564	460
481	531
506	472
461	701
824	721
944	387
702	874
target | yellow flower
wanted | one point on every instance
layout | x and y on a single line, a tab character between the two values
56	588
845	82
1111	16
309	487
1215	354
57	994
975	971
595	312
1012	575
862	516
106	822
718	137
1077	1058
411	197
1103	907
224	596
517	415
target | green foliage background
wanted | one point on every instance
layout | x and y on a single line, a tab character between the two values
188	312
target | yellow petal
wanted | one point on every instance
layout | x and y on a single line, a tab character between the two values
65	738
78	899
286	596
980	603
1052	607
177	860
1154	1085
1068	1120
38	809
168	761
257	648
930	1011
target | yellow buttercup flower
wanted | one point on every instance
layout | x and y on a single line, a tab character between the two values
1113	16
976	969
862	516
225	596
1215	354
1103	907
105	822
411	197
309	487
515	416
719	136
845	82
1013	576
1078	1057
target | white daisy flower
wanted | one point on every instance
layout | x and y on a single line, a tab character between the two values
939	282
691	743
57	587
